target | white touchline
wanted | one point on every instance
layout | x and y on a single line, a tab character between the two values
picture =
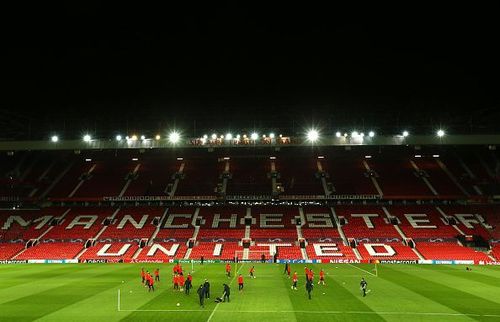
331	312
216	306
362	270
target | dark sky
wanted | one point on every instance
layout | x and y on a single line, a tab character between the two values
129	68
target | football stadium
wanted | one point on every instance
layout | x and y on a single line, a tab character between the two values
226	167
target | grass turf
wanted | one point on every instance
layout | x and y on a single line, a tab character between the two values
89	292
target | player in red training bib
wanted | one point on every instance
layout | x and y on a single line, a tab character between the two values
294	280
321	277
228	270
240	283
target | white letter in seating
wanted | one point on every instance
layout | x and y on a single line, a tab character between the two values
413	219
157	247
389	251
121	252
85	221
329	249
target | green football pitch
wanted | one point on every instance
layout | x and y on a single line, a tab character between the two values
113	292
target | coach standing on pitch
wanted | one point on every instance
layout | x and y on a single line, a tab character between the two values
201	295
309	287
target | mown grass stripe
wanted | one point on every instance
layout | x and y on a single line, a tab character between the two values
451	297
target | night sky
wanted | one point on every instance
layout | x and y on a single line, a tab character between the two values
146	69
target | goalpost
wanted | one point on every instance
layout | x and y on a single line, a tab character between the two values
243	256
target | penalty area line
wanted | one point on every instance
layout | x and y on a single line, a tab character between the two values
362	270
216	306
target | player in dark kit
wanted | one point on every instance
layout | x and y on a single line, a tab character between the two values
309	287
201	295
143	276
363	285
286	268
206	285
227	292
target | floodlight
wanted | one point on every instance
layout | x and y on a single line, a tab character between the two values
214	136
118	138
238	137
134	137
271	135
157	137
54	138
254	136
354	134
229	136
440	133
87	138
143	137
174	137
312	135
205	136
371	134
406	133
338	134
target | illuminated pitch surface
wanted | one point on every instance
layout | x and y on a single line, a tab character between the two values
90	293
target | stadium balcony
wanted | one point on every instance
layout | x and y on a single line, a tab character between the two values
438	177
109	175
347	175
206	249
8	250
153	176
50	250
396	176
385	251
200	176
357	228
71	179
249	177
449	251
303	182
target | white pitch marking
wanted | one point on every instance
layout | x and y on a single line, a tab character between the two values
216	306
362	270
334	312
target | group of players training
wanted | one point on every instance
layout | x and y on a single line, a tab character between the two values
181	283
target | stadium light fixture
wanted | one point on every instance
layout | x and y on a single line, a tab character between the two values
312	135
135	159
435	155
254	136
229	137
205	136
87	138
174	137
134	137
238	137
118	138
354	134
271	135
157	137
143	137
338	134
362	135
371	134
54	138
214	136
440	133
405	133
